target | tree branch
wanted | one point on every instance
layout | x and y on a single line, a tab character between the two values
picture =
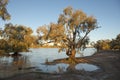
79	44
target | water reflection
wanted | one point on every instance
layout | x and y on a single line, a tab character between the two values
86	67
61	67
71	68
34	61
24	63
57	68
21	62
13	65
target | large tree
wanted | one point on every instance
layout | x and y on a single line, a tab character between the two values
71	31
3	11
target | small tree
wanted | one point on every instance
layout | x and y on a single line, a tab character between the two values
102	45
71	31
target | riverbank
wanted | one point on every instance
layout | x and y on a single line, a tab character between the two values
107	61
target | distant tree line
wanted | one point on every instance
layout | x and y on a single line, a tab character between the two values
113	44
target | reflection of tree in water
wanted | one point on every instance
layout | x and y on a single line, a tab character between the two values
20	62
61	69
71	68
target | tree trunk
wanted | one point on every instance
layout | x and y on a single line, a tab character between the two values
73	52
72	56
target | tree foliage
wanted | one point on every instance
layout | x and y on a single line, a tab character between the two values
3	11
115	43
71	31
19	40
102	45
3	44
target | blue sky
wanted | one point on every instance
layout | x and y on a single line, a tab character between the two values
35	13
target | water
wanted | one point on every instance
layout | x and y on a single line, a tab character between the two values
86	67
57	68
34	61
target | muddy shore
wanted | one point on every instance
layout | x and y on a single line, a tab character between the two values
107	61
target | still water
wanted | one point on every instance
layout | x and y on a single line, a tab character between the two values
35	59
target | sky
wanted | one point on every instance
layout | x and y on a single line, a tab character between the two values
35	13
